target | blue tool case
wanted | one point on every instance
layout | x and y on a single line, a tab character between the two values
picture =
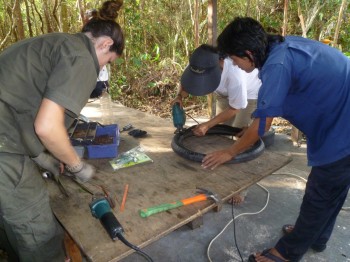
92	140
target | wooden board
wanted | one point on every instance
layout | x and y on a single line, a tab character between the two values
169	178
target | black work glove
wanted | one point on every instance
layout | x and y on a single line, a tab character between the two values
82	172
48	163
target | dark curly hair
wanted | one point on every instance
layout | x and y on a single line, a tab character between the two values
104	24
246	34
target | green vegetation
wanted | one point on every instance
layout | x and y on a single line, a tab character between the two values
160	34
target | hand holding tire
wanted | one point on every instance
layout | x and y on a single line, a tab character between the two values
177	144
200	130
214	159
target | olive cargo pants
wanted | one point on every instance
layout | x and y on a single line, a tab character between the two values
28	229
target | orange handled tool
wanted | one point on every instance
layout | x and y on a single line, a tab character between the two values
146	212
124	197
194	199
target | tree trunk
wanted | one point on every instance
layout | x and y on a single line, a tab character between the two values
339	22
247	11
10	28
196	23
301	18
18	21
258	10
144	28
312	14
54	15
285	18
81	10
47	16
64	16
212	22
212	35
34	8
28	18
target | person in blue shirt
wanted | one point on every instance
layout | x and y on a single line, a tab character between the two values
307	83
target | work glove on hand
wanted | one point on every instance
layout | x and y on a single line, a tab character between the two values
82	172
48	163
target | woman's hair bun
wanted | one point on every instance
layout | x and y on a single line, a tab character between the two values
109	9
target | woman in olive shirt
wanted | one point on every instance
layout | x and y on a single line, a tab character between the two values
45	81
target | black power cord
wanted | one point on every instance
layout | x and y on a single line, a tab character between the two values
137	249
235	218
234	232
101	209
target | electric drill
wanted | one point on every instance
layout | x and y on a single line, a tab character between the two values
179	117
101	209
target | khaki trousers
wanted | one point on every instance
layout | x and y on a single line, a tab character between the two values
243	117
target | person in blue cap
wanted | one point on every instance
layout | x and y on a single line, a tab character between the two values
307	83
235	91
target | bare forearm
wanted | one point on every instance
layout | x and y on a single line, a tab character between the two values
249	137
202	129
180	95
214	159
59	145
223	116
181	92
50	128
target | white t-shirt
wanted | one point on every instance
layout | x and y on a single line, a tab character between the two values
103	76
238	85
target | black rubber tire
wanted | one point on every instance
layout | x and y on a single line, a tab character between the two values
177	144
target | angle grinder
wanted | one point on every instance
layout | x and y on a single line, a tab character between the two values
101	209
179	117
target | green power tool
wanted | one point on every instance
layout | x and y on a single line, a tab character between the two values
179	118
101	209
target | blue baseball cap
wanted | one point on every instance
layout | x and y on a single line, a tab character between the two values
202	75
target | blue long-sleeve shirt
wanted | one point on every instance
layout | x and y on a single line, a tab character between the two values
308	83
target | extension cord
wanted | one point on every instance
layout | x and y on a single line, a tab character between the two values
243	214
255	213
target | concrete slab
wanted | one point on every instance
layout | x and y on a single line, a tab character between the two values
253	232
